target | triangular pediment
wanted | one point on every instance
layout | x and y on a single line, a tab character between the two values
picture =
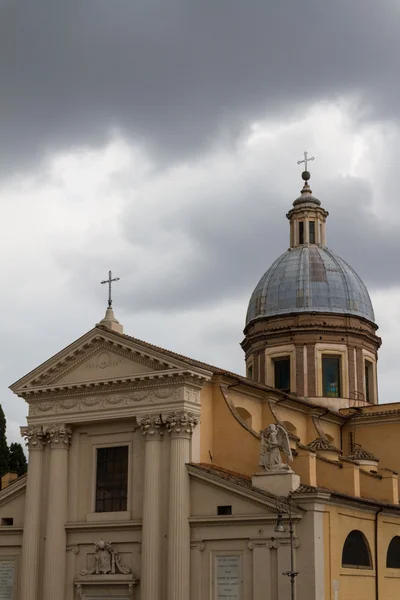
106	364
99	356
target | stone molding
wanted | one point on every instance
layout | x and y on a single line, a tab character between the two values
59	436
181	424
273	543
152	427
84	401
120	384
85	351
197	545
35	437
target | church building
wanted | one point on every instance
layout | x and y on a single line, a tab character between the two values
155	476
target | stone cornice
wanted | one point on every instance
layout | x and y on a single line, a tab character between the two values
136	402
79	526
16	488
93	341
7	530
233	520
280	332
252	495
122	384
81	355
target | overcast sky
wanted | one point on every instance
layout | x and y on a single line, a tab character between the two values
160	138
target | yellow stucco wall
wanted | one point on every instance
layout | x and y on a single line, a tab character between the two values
358	583
234	447
206	423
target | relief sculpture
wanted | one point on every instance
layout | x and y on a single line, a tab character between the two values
106	561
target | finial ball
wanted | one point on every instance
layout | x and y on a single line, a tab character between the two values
306	175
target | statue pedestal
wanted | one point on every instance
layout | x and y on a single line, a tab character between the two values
279	483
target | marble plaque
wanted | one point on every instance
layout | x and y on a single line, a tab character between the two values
228	577
7	579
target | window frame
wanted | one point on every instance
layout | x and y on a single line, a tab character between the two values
288	350
337	358
311	222
395	537
332	349
371	358
368	567
123	513
280	359
301	233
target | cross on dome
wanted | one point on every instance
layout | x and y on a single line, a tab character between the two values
305	161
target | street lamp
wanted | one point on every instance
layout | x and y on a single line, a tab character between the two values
284	507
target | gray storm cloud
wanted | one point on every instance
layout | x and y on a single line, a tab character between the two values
174	75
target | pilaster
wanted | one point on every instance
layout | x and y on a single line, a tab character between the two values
35	441
59	437
180	426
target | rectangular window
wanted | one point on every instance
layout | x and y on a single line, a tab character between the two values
224	510
250	371
331	376
112	479
301	232
369	381
282	373
312	232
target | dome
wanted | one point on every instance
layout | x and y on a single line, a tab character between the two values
310	279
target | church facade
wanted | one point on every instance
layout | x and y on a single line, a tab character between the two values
151	476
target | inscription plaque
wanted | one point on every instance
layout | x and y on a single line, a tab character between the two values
228	577
7	579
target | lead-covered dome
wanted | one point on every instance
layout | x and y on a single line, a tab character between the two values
309	279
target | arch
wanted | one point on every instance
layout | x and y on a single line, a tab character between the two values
290	428
356	551
329	438
244	415
393	554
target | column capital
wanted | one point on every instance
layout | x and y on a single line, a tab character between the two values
59	436
181	424
151	426
34	437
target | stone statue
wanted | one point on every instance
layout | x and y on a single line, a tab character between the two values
106	561
274	439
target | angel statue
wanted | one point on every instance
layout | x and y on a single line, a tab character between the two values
274	439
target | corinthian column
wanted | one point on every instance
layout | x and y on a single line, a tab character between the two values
31	535
55	548
151	526
180	427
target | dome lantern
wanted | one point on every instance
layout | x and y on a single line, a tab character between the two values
307	218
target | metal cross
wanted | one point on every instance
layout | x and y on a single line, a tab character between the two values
110	280
306	159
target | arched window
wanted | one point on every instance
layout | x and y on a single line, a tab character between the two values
245	415
356	553
393	554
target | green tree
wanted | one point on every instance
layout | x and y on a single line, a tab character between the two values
4	452
17	460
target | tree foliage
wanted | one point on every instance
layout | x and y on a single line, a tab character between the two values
4	451
17	460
